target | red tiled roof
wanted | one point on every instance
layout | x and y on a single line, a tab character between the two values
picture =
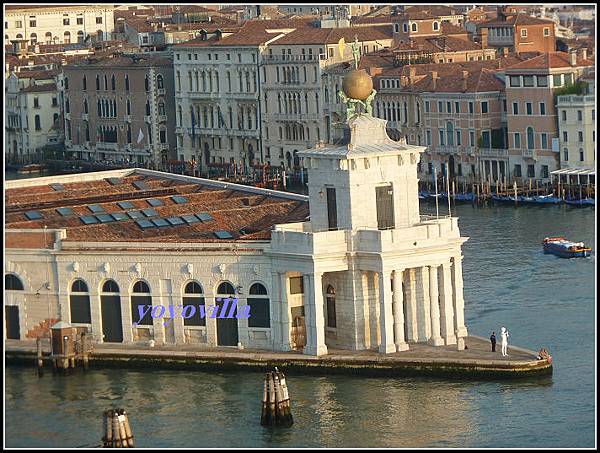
333	35
40	88
373	20
549	61
232	209
38	75
438	44
516	19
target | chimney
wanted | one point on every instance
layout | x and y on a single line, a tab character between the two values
412	74
573	57
584	53
505	51
465	76
434	76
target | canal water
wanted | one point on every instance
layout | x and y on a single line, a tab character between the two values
543	300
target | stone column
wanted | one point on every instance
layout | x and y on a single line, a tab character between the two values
386	318
398	311
96	314
275	312
459	302
411	306
435	339
211	323
126	320
315	320
158	323
423	321
447	308
284	314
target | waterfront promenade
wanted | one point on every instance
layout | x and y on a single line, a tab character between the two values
477	361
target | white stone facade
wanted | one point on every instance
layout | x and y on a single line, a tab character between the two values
374	274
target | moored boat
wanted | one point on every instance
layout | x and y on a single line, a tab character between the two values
581	203
545	199
464	197
31	168
563	248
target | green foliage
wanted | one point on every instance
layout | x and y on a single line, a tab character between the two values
579	88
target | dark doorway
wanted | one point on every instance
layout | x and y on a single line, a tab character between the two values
451	170
13	332
227	331
331	208
384	199
112	327
288	158
206	154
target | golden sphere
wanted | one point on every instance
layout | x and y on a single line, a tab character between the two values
357	84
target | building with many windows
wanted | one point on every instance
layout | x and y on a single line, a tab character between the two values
120	108
577	126
32	114
64	25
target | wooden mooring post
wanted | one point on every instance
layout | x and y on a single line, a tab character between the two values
276	407
117	431
40	357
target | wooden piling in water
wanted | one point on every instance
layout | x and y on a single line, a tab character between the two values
40	357
117	432
276	409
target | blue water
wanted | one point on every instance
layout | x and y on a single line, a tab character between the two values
544	301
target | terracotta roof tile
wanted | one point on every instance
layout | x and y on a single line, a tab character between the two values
333	35
549	61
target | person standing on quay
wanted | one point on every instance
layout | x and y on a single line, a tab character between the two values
504	334
493	340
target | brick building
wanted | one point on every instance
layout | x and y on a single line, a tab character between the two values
120	108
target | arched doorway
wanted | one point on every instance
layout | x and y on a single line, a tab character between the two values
251	154
227	328
288	158
79	302
110	301
296	158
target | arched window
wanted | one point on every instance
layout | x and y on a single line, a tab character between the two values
85	106
67	37
48	38
226	288
80	37
160	82
258	301
126	82
161	108
530	138
33	38
192	298
113	83
79	301
413	26
330	300
450	133
66	83
436	26
128	106
110	286
140	300
105	83
12	283
396	28
85	83
19	36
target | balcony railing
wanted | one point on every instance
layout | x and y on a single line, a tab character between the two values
160	91
529	153
295	116
290	58
493	152
162	118
84	116
107	146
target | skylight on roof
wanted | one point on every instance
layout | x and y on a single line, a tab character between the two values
143	224
95	208
141	185
119	216
175	221
88	219
190	218
135	214
223	234
149	212
125	205
179	199
65	211
154	202
57	187
33	215
105	218
114	181
160	222
204	216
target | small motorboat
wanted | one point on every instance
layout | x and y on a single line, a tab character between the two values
559	246
31	168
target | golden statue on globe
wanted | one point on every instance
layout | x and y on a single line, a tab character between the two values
357	88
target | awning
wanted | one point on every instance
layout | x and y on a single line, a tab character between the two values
582	171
